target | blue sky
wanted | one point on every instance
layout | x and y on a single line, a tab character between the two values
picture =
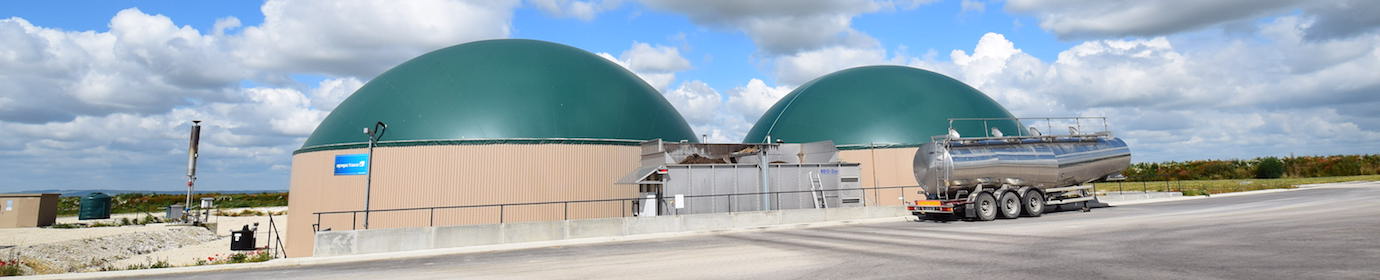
96	94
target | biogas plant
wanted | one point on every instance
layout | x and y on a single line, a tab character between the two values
520	132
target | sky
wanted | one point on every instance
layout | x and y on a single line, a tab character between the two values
99	94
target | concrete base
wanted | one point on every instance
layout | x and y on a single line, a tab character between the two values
339	243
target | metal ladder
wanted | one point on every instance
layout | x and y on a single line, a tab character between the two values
817	189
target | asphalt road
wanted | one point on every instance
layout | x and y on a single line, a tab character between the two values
1323	233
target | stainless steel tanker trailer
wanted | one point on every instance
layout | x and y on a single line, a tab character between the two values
994	175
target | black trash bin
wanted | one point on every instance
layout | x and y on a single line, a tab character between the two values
242	240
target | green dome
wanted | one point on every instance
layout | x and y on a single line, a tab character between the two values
498	90
878	105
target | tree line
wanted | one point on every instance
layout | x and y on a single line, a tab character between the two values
1262	168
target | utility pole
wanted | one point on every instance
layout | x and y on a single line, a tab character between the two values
194	141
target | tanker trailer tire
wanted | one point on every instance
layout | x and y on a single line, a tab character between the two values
1009	205
1033	203
986	207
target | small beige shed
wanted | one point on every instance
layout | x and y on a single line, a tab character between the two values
28	209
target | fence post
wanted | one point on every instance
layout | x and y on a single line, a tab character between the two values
566	215
500	213
730	203
433	217
353	219
864	196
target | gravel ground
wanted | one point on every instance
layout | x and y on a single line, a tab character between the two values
93	254
88	249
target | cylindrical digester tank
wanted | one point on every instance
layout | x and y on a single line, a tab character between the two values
1041	162
94	206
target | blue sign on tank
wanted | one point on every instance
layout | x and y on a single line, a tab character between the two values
352	164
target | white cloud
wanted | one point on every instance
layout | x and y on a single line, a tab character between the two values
111	109
582	10
785	26
1102	18
1074	19
748	102
144	64
1344	18
801	67
1175	104
331	92
225	24
800	40
364	38
655	64
720	121
972	6
696	101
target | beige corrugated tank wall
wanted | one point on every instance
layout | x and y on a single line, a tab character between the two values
447	175
885	167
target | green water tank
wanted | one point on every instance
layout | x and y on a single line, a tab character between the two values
94	206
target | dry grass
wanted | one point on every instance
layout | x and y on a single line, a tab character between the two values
1198	187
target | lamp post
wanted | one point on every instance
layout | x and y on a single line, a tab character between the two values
764	165
374	135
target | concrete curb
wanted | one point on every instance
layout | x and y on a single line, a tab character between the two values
293	262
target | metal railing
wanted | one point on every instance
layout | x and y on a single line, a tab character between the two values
1077	124
625	205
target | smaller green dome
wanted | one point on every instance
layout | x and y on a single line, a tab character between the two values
879	105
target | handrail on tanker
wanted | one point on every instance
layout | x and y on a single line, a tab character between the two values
1049	124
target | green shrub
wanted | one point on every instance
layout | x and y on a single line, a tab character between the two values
150	219
238	258
1269	168
260	256
160	264
10	268
68	226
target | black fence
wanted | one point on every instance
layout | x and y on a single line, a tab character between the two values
627	206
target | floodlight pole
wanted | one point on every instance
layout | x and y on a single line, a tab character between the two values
374	135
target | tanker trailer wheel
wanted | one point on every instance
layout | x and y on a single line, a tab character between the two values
1010	205
1033	203
986	207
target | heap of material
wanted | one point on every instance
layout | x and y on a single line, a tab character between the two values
28	209
878	116
488	122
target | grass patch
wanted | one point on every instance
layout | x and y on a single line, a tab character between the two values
238	257
1205	187
126	221
149	265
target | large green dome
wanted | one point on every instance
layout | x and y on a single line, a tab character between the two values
878	105
504	90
